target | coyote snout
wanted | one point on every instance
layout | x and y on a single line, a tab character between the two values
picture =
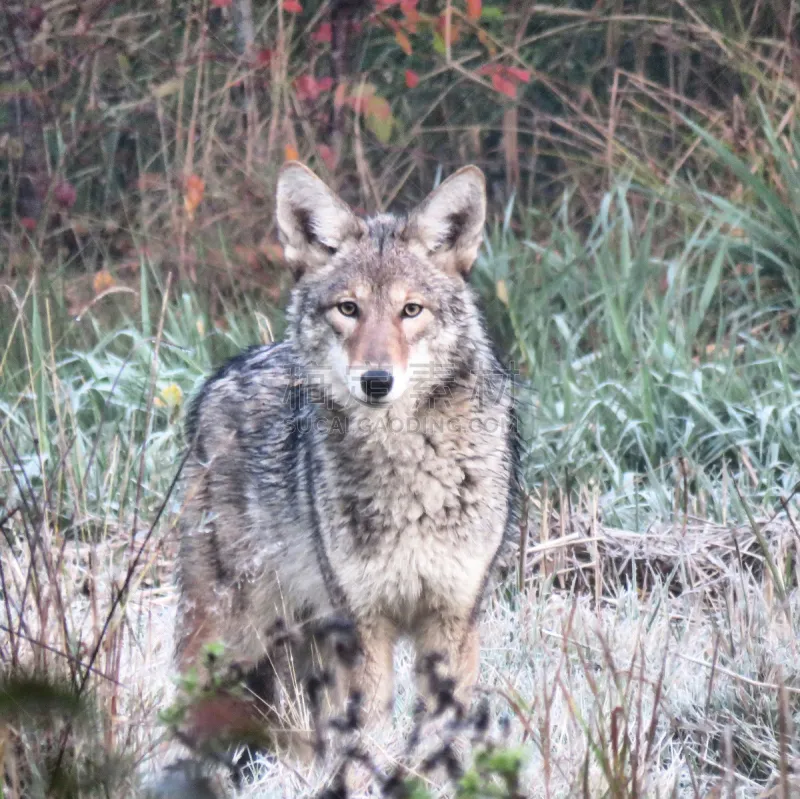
396	525
376	384
380	341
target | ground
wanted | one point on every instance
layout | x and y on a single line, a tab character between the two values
664	682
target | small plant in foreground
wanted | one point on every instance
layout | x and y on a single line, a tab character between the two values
217	716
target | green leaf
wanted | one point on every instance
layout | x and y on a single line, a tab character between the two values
415	789
172	716
189	681
708	293
506	761
381	127
25	697
742	170
491	12
215	650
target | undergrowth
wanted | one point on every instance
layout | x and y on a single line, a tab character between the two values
658	382
640	275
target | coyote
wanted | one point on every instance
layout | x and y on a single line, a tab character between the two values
365	466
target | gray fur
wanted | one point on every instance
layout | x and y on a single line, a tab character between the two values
299	504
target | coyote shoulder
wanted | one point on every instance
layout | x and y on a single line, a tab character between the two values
366	465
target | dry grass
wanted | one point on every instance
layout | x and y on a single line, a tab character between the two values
648	647
673	681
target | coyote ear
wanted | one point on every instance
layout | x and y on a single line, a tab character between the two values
449	223
312	221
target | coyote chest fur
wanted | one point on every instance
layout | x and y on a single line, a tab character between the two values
367	464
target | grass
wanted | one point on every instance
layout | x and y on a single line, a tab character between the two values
647	649
644	284
646	350
649	356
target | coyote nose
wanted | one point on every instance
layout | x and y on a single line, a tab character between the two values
376	383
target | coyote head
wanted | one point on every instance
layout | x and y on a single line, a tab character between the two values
381	312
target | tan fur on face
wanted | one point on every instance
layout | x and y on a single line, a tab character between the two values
380	336
378	341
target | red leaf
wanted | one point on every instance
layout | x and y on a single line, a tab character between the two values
328	156
340	95
304	87
193	194
322	34
220	3
65	195
28	222
486	41
522	75
412	79
504	86
292	7
309	88
409	9
411	21
441	28
403	41
505	79
264	58
102	281
379	108
384	5
359	98
474	9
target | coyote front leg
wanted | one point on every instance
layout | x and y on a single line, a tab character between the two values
373	680
457	642
373	677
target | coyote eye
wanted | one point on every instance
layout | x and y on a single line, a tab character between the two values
411	309
347	308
